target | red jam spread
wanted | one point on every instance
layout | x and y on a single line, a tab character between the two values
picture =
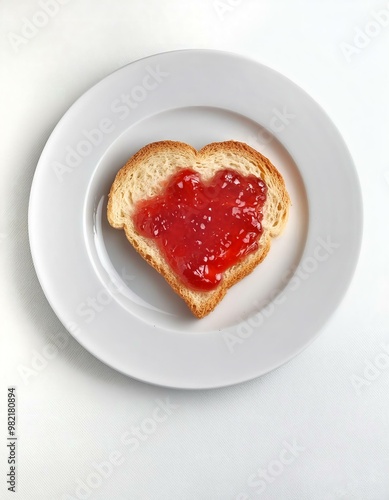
204	228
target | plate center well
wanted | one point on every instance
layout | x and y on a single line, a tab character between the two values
137	287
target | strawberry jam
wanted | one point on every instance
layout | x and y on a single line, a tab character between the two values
202	229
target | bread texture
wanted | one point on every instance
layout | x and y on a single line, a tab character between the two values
143	177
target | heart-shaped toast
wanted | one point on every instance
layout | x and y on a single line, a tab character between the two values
203	219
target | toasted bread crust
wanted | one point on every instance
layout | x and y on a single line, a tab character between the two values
143	176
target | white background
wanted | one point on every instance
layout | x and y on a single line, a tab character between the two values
72	409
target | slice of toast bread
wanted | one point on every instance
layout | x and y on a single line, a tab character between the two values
144	176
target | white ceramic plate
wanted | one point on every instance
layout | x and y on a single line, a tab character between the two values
117	306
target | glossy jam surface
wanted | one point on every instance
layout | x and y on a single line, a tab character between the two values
204	228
